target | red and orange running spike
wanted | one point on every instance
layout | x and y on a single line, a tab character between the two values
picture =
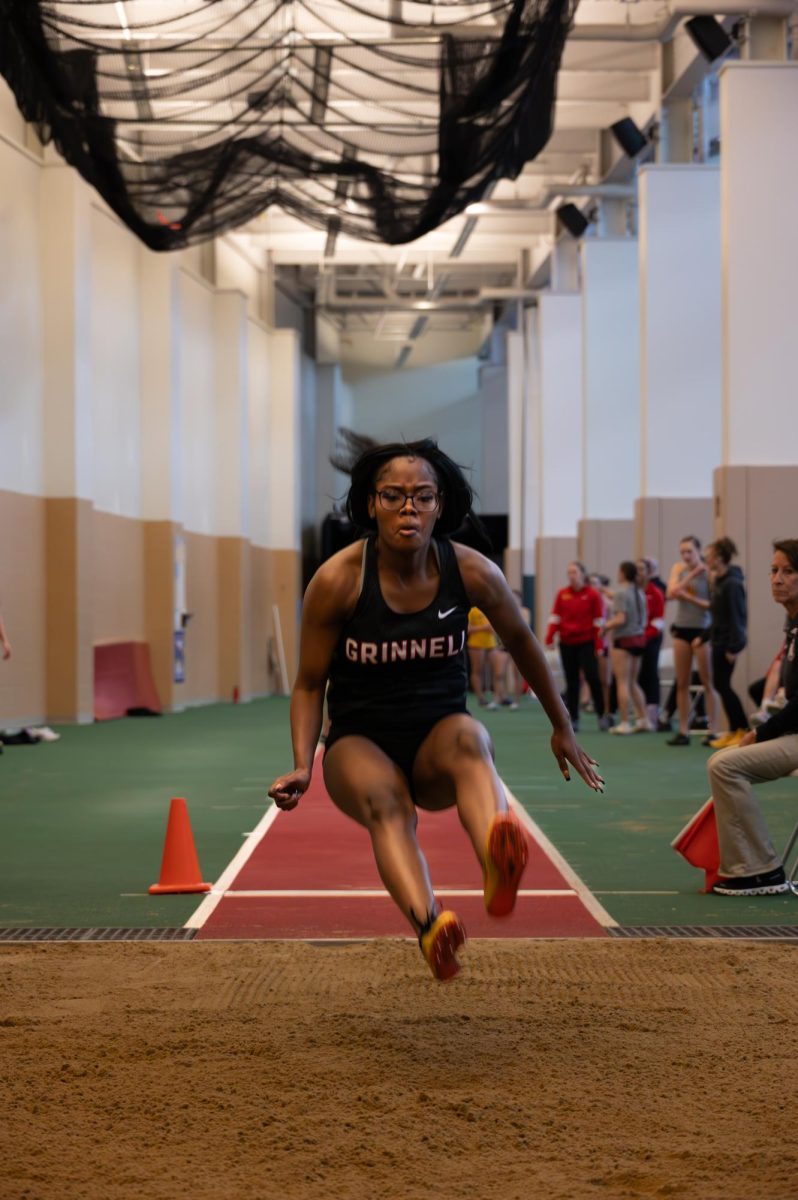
441	943
506	854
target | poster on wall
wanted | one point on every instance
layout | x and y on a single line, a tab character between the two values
180	656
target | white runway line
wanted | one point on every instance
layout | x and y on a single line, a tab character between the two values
582	890
221	887
210	901
377	893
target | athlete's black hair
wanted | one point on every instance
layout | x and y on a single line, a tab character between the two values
628	570
457	493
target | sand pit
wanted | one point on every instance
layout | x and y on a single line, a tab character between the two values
547	1071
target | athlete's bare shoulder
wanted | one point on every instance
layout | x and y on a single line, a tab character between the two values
480	576
333	591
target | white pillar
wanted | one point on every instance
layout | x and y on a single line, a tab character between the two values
285	456
66	347
68	458
560	446
759	182
756	487
556	421
680	381
530	468
231	384
611	376
159	319
516	370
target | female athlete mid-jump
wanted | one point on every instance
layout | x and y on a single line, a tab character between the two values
385	622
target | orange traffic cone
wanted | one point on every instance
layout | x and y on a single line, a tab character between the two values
698	843
180	869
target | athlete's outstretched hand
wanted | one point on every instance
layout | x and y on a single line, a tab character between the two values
565	749
286	790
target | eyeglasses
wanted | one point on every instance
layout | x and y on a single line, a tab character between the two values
392	499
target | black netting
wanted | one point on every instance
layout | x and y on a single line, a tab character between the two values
190	117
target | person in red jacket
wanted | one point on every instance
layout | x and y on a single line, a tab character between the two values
577	617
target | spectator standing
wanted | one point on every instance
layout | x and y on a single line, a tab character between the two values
576	618
482	643
749	863
688	585
648	677
627	625
729	611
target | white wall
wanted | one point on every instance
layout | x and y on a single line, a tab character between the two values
197	406
680	362
115	367
440	401
611	376
258	391
21	415
235	272
494	494
759	248
560	445
284	462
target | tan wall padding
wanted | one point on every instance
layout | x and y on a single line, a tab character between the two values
756	506
69	609
662	522
117	578
202	633
287	593
233	555
263	679
604	544
158	541
22	602
552	556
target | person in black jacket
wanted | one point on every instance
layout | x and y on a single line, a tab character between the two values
729	625
749	863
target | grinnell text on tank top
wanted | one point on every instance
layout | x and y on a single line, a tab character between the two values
395	670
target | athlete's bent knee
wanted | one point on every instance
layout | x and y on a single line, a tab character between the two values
386	803
472	743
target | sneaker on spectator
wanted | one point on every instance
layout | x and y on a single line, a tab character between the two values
643	725
758	718
775	703
769	883
664	726
622	729
678	739
605	723
492	707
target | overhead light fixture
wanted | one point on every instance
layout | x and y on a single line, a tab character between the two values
631	139
709	37
572	219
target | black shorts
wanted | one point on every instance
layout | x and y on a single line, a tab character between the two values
401	746
688	633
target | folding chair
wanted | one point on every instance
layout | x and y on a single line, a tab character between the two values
791	871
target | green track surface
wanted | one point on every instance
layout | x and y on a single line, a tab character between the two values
84	818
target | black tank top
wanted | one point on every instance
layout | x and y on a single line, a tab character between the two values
395	671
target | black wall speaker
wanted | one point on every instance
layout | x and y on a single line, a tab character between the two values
628	136
709	36
572	219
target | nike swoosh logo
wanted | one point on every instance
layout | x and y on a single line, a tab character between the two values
441	615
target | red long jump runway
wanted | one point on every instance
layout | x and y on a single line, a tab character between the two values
310	874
